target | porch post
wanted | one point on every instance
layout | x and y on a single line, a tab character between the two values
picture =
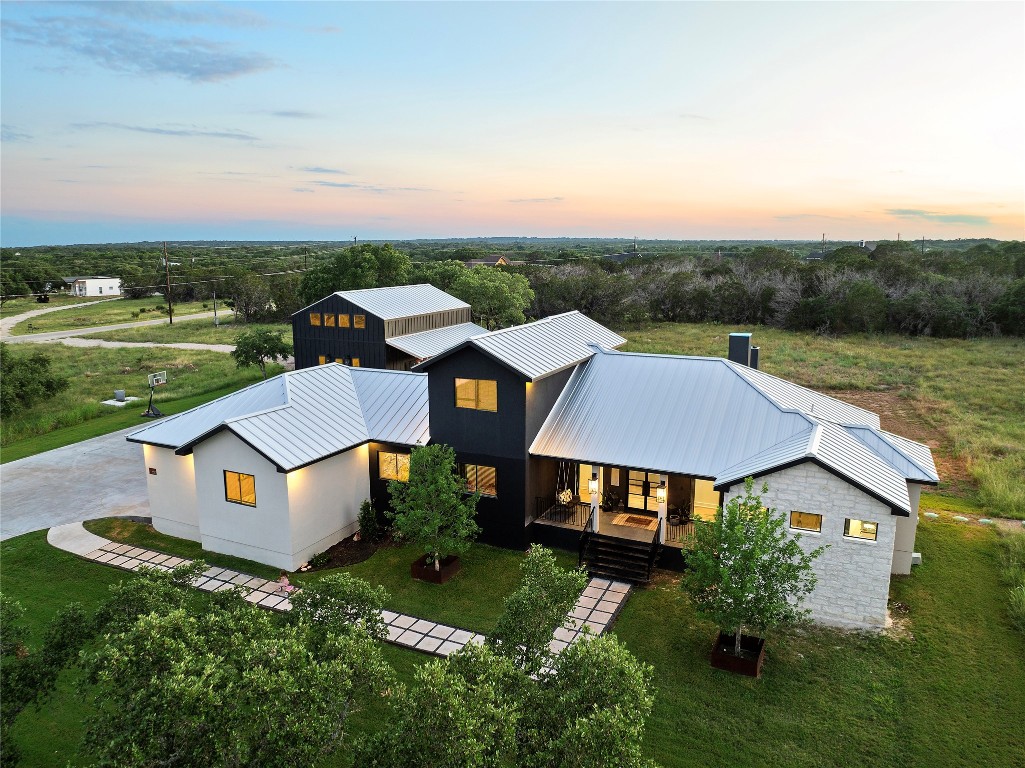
592	488
662	495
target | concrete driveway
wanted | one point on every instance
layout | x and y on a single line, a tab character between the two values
100	477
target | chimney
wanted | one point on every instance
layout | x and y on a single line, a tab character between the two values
754	358
740	348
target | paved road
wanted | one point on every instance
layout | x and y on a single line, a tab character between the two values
100	477
8	322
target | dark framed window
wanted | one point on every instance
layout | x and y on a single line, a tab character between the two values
860	529
806	521
239	488
478	394
393	466
329	320
343	321
314	318
359	321
481	478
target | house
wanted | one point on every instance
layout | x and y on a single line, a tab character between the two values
570	442
94	286
494	260
391	328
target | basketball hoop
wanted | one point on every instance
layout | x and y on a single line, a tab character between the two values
155	380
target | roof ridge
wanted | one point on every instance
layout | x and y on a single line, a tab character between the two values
884	436
539	321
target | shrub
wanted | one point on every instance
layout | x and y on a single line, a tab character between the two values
320	559
134	315
159	308
143	310
369	529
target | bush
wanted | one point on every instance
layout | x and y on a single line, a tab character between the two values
369	529
159	308
135	315
320	559
143	309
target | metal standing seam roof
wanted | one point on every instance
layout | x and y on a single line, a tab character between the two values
543	347
704	417
426	344
399	301
328	409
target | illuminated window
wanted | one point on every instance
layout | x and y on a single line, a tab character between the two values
860	529
240	488
340	360
359	321
481	478
393	466
322	359
806	521
329	320
479	394
355	362
314	318
343	321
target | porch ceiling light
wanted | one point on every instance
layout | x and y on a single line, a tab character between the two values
592	484
660	493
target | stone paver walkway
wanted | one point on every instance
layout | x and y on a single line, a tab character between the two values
596	609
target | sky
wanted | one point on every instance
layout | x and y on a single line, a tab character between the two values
131	121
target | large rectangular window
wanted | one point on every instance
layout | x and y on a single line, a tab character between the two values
393	466
806	521
329	319
481	478
343	321
240	488
314	318
479	394
860	529
359	321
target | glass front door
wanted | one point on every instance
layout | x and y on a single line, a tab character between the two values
641	494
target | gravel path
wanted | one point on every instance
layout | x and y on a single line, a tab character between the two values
58	335
8	322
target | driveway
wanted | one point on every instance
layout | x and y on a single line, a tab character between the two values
100	477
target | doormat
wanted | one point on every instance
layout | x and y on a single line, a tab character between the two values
636	521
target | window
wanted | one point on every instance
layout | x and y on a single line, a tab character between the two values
860	529
480	478
806	521
322	359
355	362
393	466
240	488
359	321
343	321
479	394
340	360
314	318
329	320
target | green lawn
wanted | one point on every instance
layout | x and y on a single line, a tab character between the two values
106	313
26	304
193	331
96	372
965	397
948	691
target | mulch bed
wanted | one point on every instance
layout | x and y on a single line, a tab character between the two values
349	552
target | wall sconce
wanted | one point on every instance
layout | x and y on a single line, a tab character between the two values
660	493
592	484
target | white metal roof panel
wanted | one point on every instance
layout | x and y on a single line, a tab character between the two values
429	343
850	457
394	405
784	452
403	300
919	453
547	346
790	395
898	452
175	431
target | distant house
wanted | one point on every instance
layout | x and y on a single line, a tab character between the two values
572	444
392	328
494	260
94	286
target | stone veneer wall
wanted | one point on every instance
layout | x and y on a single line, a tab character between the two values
853	574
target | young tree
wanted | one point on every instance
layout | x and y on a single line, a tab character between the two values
257	346
746	570
496	298
340	604
536	609
26	380
433	509
250	296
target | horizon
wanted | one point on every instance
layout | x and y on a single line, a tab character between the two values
302	122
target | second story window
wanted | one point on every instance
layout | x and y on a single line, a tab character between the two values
314	318
359	321
343	321
329	320
478	394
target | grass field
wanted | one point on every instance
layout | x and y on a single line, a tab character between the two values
948	689
105	313
28	303
96	372
191	331
966	399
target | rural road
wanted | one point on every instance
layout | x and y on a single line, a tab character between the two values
58	335
100	477
8	322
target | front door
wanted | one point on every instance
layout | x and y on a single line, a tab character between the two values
641	494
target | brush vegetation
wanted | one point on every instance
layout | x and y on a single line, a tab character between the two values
190	331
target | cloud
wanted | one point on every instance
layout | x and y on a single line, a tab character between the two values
803	216
191	132
320	169
295	114
536	200
369	187
301	189
132	50
918	214
178	13
8	133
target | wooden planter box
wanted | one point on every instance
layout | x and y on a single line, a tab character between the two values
421	570
750	661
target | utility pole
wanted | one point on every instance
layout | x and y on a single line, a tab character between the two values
923	246
215	310
167	272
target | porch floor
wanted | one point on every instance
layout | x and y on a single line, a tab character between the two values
676	536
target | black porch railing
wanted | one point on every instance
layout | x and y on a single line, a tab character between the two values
573	513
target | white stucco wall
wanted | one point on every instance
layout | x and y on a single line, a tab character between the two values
109	286
261	533
907	527
324	500
853	574
172	492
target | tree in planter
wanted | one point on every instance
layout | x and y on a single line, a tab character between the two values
746	570
432	509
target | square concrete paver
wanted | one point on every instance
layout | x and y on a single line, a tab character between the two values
284	605
135	552
428	644
476	640
210	585
410	638
557	646
106	557
596	626
122	548
441	631
594	592
600	583
405	622
608	606
394	633
460	636
422	626
587	602
271	601
600	616
388	616
579	612
225	586
118	561
241	579
566	635
255	597
619	586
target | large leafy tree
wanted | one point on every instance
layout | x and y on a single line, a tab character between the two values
257	346
536	609
746	570
25	379
339	604
496	298
362	266
433	509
